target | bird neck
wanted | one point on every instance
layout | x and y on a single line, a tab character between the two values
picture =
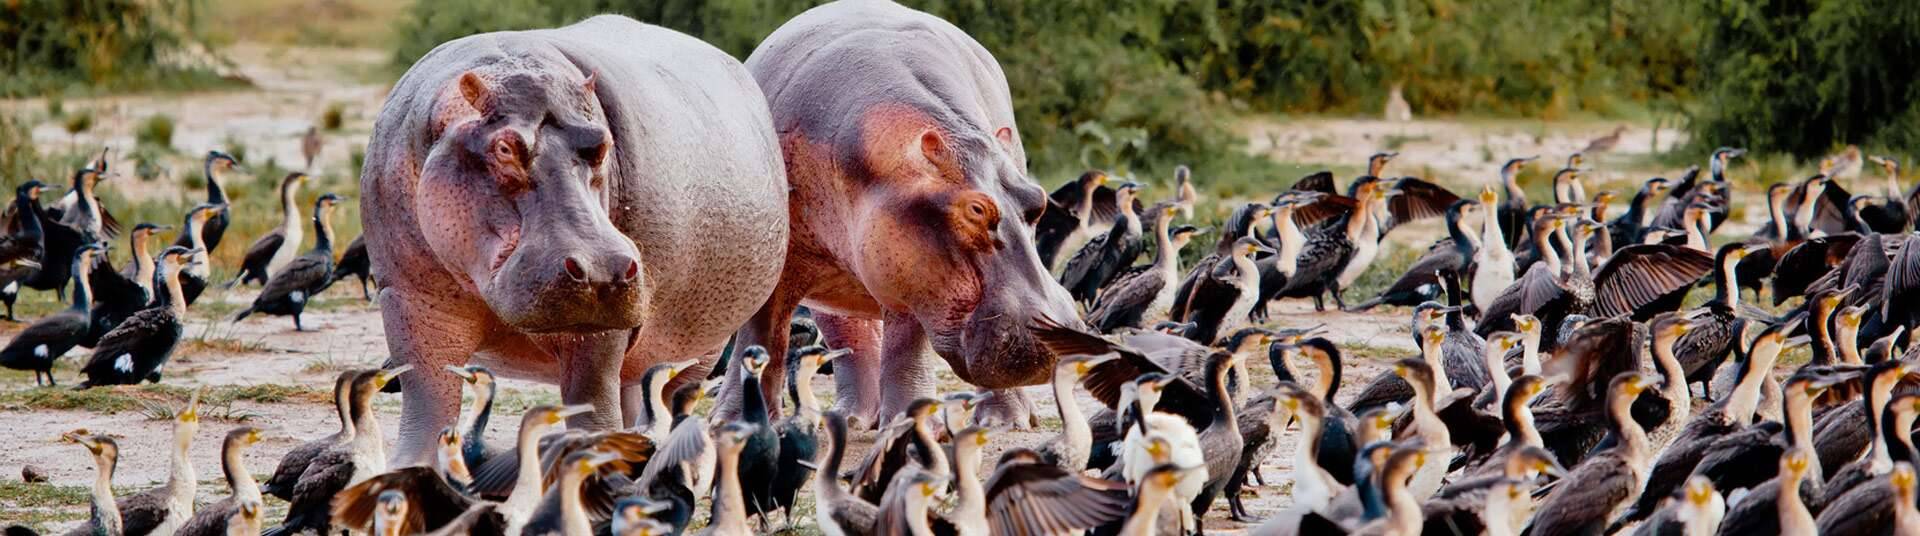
1426	422
1901	447
1797	410
1496	361
1307	450
1777	216
1515	194
343	408
1543	243
323	230
754	403
1794	517
1222	401
1637	210
1462	238
1726	284
1822	334
930	445
82	285
180	469
1330	372
1073	424
216	194
1360	223
826	481
234	466
1878	390
1517	418
1403	508
1670	369
972	506
1492	238
29	221
1530	352
290	220
1602	245
142	264
730	510
367	438
573	512
472	446
178	296
1577	252
1431	353
106	511
803	398
1804	217
1893	185
1163	250
1847	341
654	406
1291	241
1746	394
1145	517
1633	438
526	485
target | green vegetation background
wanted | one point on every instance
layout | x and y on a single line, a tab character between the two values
1142	84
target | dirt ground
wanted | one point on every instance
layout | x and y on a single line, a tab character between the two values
291	85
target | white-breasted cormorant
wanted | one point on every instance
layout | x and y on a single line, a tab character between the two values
837	512
104	518
217	164
43	342
355	263
287	473
1106	255
215	519
1144	293
137	349
341	465
800	431
273	251
1606	480
289	291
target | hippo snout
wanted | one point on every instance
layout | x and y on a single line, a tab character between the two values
997	338
570	287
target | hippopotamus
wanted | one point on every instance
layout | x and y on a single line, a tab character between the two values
911	211
570	206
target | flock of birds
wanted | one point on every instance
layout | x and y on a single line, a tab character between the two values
133	317
1554	344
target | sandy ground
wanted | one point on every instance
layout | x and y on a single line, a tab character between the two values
294	84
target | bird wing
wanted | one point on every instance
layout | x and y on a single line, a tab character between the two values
1122	302
65	325
287	473
1103	380
1418	200
1049	233
1082	264
1639	274
1319	181
1324	210
494	478
301	275
1796	270
1867	509
128	337
1526	295
210	519
684	444
142	512
1032	498
1902	284
353	507
1604	480
263	248
1595	353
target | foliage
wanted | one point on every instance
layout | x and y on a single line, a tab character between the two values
334	117
78	122
1803	76
156	131
54	44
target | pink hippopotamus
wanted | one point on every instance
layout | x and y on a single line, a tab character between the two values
911	210
572	206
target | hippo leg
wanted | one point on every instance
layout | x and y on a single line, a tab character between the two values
591	376
906	372
429	338
766	329
1005	407
856	377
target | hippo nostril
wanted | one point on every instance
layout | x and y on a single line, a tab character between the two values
574	270
633	270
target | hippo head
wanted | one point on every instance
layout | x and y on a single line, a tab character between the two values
514	201
950	240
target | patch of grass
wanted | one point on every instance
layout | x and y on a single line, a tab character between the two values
1393	142
516	401
78	122
156	130
1367	351
273	393
22	495
101	400
1320	142
220	345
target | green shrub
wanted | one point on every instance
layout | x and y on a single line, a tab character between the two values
78	122
1802	77
156	131
111	44
334	117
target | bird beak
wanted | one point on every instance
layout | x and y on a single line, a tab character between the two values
575	409
836	354
460	372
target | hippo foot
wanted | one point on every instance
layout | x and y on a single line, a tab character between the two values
862	415
1005	408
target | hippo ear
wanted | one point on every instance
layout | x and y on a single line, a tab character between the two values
1005	135
592	78
475	90
933	146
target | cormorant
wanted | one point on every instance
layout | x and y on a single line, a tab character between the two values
1106	255
214	519
835	511
43	342
163	510
216	165
273	251
354	262
1144	292
140	346
1606	480
287	474
1421	282
288	292
343	464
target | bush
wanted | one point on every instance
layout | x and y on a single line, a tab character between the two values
1802	77
334	117
53	44
156	131
78	122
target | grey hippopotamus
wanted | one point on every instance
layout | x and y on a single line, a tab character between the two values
911	210
571	206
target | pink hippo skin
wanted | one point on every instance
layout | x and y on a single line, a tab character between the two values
569	206
911	210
